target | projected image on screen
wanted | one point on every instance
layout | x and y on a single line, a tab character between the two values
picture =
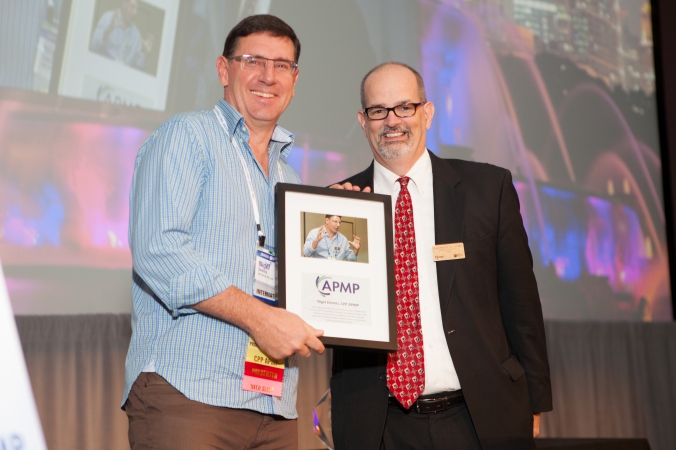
64	194
552	91
32	28
567	104
560	92
126	31
119	51
64	212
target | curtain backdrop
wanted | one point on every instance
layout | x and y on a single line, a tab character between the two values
609	380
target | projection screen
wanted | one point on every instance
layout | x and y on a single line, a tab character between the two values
561	92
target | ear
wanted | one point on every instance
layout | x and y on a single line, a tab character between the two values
222	67
429	114
362	120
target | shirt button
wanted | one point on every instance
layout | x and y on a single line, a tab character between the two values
436	382
431	345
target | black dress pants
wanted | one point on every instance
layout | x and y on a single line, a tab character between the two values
448	430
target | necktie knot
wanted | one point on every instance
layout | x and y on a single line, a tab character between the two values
403	181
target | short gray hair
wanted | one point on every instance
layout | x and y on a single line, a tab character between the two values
418	78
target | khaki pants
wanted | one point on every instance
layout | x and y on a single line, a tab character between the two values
162	418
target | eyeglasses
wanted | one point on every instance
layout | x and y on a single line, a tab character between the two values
255	62
380	112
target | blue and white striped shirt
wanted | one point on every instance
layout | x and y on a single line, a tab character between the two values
192	235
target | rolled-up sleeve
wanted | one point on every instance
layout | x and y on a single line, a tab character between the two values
169	177
307	248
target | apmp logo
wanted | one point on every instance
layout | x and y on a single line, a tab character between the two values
13	442
318	281
326	287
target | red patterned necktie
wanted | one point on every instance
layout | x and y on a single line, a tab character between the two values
406	367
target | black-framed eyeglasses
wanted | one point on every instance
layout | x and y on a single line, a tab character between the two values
380	112
255	62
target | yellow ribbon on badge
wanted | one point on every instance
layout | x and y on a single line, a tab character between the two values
255	355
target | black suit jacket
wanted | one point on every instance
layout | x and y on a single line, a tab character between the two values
490	310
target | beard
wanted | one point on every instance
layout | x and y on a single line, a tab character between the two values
394	150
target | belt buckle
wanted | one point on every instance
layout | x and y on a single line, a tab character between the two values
431	410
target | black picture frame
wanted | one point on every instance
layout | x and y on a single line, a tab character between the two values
381	231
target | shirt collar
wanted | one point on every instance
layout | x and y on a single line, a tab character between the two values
420	174
234	121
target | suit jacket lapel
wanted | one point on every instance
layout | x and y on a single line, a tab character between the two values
449	213
362	179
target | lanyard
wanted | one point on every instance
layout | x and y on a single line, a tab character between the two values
330	247
247	174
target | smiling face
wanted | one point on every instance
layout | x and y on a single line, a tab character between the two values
395	138
332	224
129	8
261	96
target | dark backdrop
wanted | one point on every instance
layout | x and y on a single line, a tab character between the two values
664	16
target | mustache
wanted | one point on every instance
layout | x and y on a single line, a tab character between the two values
398	128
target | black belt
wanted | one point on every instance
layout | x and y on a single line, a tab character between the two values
434	403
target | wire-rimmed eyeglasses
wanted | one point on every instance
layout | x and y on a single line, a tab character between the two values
255	62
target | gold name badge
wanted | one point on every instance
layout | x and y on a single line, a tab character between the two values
446	252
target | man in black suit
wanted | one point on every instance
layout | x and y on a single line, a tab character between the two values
471	370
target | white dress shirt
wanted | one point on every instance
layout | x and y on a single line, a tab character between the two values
440	373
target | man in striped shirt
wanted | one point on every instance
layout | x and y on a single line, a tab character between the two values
328	243
202	197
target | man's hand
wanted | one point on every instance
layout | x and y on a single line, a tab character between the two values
536	424
278	332
148	43
285	334
348	187
355	243
320	235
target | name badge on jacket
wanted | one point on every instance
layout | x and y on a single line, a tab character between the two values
446	252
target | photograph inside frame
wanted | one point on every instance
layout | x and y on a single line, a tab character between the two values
335	237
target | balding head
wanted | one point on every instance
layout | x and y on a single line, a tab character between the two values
418	79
